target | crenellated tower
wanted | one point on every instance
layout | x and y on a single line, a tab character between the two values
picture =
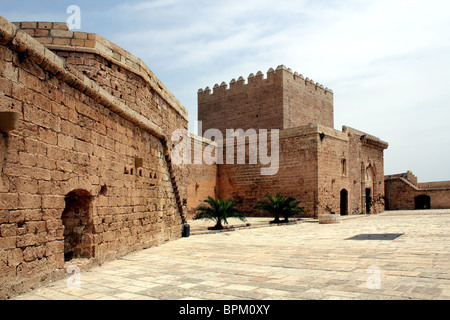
281	100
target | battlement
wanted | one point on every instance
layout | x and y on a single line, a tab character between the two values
281	73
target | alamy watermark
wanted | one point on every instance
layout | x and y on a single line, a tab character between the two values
220	149
74	281
74	20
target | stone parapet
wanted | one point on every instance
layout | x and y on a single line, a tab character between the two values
259	80
57	37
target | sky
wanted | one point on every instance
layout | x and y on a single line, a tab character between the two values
387	61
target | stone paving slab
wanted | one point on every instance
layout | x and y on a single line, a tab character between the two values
292	262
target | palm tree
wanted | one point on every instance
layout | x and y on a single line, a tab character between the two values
219	210
280	206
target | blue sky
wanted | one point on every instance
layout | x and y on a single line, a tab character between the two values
387	61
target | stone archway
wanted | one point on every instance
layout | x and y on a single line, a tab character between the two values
422	202
344	202
369	188
78	227
368	200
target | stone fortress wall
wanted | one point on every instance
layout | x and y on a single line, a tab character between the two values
87	175
404	192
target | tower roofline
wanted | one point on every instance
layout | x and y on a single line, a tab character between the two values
258	78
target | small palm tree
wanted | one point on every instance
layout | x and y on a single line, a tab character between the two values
219	210
280	206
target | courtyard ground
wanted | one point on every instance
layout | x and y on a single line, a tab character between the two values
393	255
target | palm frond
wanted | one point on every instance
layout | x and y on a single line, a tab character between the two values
219	211
279	206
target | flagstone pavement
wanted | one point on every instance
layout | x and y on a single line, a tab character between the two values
293	262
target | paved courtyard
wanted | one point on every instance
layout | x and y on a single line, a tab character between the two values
292	262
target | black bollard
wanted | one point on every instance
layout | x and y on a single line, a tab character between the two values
186	231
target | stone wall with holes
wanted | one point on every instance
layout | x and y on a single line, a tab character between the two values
88	153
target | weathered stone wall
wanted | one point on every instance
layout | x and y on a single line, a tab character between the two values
348	163
201	177
333	148
257	104
305	102
75	152
368	151
282	100
297	174
434	184
116	72
311	170
400	194
119	73
407	175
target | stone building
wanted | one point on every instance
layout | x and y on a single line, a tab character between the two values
404	192
330	171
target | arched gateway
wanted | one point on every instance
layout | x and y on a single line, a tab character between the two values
78	227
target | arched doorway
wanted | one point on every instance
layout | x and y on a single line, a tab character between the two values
422	202
369	190
344	202
77	221
368	200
